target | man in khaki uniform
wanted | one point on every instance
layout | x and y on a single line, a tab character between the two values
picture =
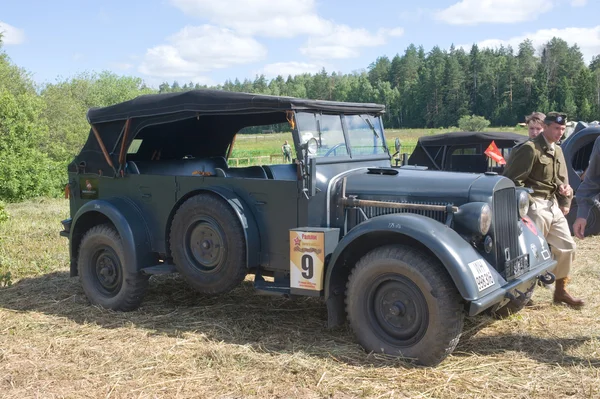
540	165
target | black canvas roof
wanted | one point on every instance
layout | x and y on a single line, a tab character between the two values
470	137
200	123
431	151
218	102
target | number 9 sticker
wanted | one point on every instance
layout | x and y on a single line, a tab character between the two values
306	260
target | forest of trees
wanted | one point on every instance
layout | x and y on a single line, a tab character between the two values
43	126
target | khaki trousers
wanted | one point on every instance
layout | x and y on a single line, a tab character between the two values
549	218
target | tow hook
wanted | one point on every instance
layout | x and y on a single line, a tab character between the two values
547	279
520	298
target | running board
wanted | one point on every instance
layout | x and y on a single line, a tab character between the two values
277	288
162	268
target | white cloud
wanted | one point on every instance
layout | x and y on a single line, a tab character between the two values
345	42
588	40
11	35
289	68
578	3
287	19
283	18
473	12
196	50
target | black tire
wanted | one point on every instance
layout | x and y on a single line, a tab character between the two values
420	314
593	221
208	244
102	272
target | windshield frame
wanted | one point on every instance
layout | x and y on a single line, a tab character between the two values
375	120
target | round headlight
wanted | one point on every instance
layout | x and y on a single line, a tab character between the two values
523	203
485	219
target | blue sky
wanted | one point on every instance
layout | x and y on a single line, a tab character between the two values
209	41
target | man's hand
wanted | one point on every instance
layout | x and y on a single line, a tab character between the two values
579	227
564	210
565	190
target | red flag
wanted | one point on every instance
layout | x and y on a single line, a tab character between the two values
493	152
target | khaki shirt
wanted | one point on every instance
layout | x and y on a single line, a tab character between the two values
535	165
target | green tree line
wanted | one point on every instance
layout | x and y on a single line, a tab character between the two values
43	126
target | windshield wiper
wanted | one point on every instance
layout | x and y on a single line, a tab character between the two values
371	126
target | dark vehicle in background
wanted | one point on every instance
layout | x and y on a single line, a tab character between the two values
405	254
577	149
463	151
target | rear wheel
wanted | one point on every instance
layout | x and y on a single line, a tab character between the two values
208	244
104	277
402	302
593	221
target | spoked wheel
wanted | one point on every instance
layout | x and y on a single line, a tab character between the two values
402	302
397	309
107	276
208	244
205	244
102	272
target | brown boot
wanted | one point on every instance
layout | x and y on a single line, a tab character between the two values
561	294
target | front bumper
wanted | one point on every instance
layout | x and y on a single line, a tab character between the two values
522	283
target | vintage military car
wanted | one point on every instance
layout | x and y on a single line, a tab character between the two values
463	151
577	149
404	253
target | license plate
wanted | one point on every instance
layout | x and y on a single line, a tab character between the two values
517	266
481	273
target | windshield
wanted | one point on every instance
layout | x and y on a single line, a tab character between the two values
364	132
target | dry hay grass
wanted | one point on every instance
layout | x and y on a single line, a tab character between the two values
179	344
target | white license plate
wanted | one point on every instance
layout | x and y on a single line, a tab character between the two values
482	274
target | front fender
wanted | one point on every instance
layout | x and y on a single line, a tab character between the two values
443	242
128	221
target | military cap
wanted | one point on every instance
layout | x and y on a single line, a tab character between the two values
556	117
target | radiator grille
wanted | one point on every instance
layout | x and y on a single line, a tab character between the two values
440	216
506	232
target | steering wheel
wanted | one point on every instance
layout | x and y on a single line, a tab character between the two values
334	149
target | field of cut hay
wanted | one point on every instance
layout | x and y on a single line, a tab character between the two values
179	344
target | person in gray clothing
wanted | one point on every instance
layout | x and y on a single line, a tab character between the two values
589	188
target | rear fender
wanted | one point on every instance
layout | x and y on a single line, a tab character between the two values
127	220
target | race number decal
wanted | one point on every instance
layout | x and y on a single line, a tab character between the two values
307	258
482	274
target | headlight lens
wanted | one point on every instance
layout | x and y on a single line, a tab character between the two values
485	219
474	217
522	203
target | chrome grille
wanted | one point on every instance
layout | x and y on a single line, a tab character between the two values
506	232
440	216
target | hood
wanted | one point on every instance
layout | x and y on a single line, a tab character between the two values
425	186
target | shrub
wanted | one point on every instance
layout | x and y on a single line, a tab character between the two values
473	123
3	213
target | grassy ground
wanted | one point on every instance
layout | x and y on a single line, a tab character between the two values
179	344
248	148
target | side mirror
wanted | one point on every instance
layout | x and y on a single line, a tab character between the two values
311	146
310	167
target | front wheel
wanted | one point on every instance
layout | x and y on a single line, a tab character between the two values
402	302
104	277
